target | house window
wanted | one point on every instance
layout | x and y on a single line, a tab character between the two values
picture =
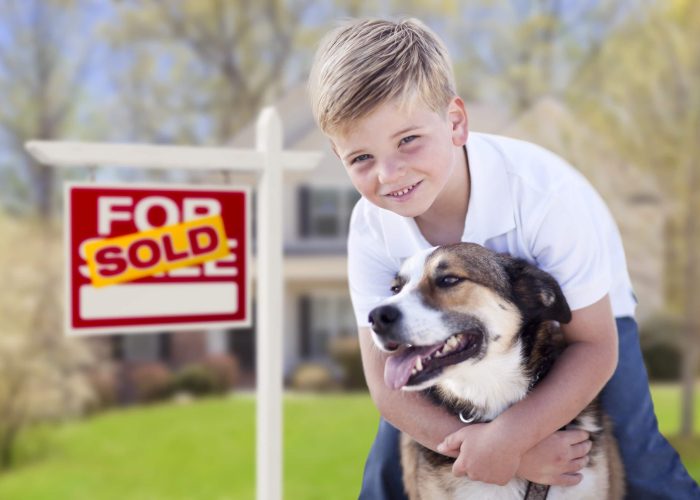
142	348
327	317
324	213
217	341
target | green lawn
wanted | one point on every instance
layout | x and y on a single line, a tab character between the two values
667	404
202	451
206	451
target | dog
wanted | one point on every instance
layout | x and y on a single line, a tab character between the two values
476	331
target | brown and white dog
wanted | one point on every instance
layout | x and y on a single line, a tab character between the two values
476	331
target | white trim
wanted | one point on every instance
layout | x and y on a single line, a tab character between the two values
75	154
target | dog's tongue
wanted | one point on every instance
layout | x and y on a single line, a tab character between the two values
398	367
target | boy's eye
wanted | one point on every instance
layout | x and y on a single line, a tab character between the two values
360	158
408	139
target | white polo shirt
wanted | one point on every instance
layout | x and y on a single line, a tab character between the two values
524	201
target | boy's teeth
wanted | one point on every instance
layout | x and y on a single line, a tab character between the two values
403	191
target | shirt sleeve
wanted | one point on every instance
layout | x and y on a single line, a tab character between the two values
569	244
370	269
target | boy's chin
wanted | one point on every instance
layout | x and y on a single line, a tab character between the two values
410	208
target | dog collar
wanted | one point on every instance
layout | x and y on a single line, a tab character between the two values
536	491
469	415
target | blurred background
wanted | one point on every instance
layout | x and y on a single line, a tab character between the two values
611	85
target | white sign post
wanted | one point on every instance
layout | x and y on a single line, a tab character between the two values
269	160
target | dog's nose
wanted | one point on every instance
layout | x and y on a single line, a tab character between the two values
384	317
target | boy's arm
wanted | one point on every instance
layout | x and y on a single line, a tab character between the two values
589	360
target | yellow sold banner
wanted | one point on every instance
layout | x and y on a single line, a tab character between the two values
146	253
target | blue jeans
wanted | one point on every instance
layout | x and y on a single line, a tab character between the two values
653	468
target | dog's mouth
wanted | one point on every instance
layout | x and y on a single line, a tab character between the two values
415	365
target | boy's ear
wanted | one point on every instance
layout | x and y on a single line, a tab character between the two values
457	116
536	292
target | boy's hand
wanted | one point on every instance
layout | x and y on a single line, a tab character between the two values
484	455
557	459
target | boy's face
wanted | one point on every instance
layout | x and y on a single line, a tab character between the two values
401	158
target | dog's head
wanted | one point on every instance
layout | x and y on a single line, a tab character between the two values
459	304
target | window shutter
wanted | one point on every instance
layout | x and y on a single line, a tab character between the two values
305	326
304	214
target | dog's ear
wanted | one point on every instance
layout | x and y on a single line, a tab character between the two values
536	292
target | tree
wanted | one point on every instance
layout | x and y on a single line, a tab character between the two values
514	52
196	71
643	92
43	64
42	374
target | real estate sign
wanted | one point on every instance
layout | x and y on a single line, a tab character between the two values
149	258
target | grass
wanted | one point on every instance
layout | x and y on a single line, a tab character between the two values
667	404
200	451
206	451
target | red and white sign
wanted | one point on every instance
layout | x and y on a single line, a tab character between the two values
152	258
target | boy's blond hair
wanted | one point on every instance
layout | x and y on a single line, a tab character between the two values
363	64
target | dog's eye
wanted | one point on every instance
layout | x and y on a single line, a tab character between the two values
447	281
395	289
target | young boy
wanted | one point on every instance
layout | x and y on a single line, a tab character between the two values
384	94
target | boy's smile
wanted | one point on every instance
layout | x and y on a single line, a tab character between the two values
408	159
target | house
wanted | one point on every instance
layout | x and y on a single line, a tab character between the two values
317	207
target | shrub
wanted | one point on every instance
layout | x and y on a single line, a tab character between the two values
225	370
195	379
313	377
663	362
151	381
660	337
104	384
661	329
346	352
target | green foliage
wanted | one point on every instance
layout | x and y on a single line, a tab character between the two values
195	379
235	54
642	92
42	373
44	55
663	362
660	337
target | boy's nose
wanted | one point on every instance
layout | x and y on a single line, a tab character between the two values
391	171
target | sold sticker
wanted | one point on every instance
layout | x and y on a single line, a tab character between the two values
147	253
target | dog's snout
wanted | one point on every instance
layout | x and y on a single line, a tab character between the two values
383	317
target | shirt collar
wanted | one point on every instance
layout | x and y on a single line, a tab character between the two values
490	211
